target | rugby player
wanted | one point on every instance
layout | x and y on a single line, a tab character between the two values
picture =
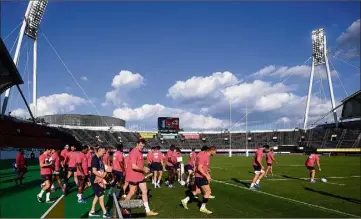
82	173
157	166
71	157
149	163
258	167
64	163
269	159
313	159
118	168
170	161
135	174
46	174
202	179
189	168
98	169
55	157
126	170
20	166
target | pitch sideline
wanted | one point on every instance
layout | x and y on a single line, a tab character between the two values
290	200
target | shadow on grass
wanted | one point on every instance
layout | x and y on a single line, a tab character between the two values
291	177
16	188
356	201
246	184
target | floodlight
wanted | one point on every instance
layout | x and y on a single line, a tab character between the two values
318	46
34	19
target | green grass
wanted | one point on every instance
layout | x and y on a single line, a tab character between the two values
283	195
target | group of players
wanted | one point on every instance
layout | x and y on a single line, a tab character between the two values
102	167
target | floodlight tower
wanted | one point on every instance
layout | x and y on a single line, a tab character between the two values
32	19
319	57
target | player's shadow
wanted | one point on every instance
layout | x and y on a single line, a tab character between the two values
353	200
19	188
291	177
246	184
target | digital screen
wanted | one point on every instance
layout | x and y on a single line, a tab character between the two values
168	124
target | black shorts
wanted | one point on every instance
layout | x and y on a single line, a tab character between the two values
136	183
118	175
150	168
188	167
169	167
46	177
72	169
177	166
98	191
257	168
200	181
269	164
310	167
156	166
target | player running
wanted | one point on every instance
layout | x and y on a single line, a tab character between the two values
269	159
82	173
170	162
46	174
310	164
20	166
202	179
118	168
189	168
55	157
157	166
135	174
258	167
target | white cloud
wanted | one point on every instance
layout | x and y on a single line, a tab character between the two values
52	104
122	84
148	114
351	35
83	78
284	71
198	88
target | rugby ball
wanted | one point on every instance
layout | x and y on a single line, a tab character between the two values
323	180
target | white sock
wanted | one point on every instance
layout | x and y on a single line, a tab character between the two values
147	209
203	206
41	193
158	181
187	199
47	196
252	185
79	196
257	182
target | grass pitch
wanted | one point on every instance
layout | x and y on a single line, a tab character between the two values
287	194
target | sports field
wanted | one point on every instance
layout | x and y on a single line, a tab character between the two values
284	195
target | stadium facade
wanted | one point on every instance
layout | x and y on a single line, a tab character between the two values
82	120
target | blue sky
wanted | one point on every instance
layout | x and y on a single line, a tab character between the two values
160	43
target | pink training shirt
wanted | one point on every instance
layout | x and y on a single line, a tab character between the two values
149	157
170	156
135	157
157	156
89	157
83	161
126	167
258	155
118	161
203	158
270	156
106	159
64	156
20	161
310	162
56	161
72	156
192	158
44	170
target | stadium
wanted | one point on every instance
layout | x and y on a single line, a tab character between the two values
334	193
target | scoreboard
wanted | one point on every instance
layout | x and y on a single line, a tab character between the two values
168	124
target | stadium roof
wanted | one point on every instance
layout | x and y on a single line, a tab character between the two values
9	75
352	106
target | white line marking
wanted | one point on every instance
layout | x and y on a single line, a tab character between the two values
339	184
291	200
53	206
